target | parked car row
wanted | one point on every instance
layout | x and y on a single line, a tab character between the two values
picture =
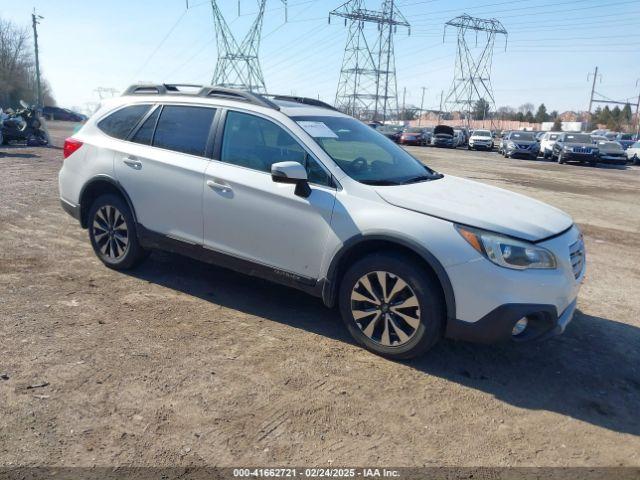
568	147
593	148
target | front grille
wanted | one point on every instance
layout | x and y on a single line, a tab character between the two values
576	254
582	150
523	147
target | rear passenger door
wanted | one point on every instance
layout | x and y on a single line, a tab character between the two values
162	169
248	215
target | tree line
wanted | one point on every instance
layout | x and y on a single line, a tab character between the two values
614	119
17	68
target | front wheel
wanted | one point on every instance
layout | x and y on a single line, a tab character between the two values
112	232
391	306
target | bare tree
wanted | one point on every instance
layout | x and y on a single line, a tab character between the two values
17	67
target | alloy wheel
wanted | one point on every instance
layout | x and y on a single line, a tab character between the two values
385	308
110	232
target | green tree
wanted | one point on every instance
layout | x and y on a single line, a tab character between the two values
626	114
557	125
481	109
541	114
529	117
520	117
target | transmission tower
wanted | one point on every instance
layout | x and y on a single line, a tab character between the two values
472	77
367	88
238	65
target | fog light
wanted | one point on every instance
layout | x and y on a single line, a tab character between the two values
520	326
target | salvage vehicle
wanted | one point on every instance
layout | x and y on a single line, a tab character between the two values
611	153
625	139
575	147
480	139
392	132
520	144
633	153
24	125
291	190
546	143
413	136
443	136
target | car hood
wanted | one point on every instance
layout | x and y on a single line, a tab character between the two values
474	137
479	205
522	142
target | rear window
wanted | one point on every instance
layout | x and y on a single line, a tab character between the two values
120	123
184	129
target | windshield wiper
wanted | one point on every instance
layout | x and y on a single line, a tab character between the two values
379	183
423	178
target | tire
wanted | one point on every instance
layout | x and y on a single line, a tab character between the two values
113	235
394	332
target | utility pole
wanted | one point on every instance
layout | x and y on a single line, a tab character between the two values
593	88
638	111
404	103
35	21
421	106
440	110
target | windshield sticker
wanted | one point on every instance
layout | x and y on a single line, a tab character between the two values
318	130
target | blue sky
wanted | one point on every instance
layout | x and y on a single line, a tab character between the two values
552	46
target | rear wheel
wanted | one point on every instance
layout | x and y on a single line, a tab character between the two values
112	232
391	306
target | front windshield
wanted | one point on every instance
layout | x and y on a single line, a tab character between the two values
364	154
389	129
524	136
413	130
482	133
626	137
577	138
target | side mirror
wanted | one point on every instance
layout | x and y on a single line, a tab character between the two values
293	173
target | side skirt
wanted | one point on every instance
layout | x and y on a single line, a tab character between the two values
157	241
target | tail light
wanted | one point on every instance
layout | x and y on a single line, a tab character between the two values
70	146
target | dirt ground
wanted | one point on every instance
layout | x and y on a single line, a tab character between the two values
180	363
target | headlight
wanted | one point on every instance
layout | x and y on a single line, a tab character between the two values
567	149
511	145
507	252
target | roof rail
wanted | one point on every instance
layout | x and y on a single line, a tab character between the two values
305	100
241	95
201	91
157	89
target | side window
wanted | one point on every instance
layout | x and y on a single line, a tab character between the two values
253	142
120	123
184	129
144	135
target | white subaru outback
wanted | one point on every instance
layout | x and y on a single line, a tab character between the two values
291	190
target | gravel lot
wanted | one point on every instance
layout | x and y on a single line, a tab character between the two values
179	363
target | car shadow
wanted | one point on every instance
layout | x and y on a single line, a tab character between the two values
591	373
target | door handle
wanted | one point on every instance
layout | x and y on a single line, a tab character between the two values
133	162
219	186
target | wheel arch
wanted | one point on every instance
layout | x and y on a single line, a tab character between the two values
100	185
362	245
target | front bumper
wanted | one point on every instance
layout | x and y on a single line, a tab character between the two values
522	152
579	157
484	145
613	159
497	325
